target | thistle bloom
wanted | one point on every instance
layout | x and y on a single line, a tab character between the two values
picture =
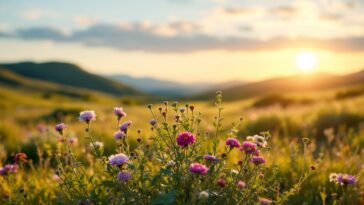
343	179
119	112
221	182
264	201
210	158
119	134
153	122
241	184
87	116
60	127
232	142
20	157
185	138
124	176
123	127
249	147
198	168
118	159
257	160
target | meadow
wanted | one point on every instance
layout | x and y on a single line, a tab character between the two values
302	145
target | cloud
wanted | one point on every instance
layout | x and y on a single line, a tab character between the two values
283	11
138	38
35	14
84	20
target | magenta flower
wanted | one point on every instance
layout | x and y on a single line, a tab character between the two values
118	159
153	122
210	158
60	127
198	168
257	160
185	138
221	182
232	142
9	168
264	201
123	127
241	184
124	176
87	116
119	112
119	134
249	147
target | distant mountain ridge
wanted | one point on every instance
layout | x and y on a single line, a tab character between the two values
298	83
69	75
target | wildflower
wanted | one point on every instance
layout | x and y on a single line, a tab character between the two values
346	179
72	140
333	177
87	116
182	109
203	195
198	168
153	122
97	145
123	127
233	171
119	134
9	168
170	163
118	159
185	138
257	160
56	178
210	158
232	142
249	147
264	201
221	182
241	184
119	112
124	176
60	127
259	140
20	157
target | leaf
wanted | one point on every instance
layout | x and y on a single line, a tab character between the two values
107	183
165	199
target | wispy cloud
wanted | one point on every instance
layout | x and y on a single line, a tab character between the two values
35	14
84	20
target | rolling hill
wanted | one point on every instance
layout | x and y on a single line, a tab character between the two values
292	84
68	75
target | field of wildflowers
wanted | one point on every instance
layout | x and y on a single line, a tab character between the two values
178	155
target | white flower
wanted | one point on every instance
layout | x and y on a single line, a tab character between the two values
259	140
333	177
203	195
97	144
233	171
170	163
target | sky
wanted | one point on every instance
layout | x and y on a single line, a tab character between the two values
187	40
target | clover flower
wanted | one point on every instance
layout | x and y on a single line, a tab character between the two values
185	138
198	168
257	160
119	134
248	147
257	139
118	159
123	176
119	112
210	158
232	142
87	116
170	163
241	184
60	127
123	127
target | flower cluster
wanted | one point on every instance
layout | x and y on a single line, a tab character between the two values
342	179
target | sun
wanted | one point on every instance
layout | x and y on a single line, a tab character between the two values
306	61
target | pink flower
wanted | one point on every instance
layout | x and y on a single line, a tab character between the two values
198	168
185	138
257	160
221	182
9	168
210	158
118	159
124	176
249	147
240	184
119	112
264	201
119	134
87	116
20	157
72	140
232	142
60	127
123	127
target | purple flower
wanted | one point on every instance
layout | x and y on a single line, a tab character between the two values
118	159
119	134
124	176
345	179
198	168
185	138
87	116
257	160
232	142
125	125
119	112
249	147
60	127
210	158
264	201
241	184
153	122
9	168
